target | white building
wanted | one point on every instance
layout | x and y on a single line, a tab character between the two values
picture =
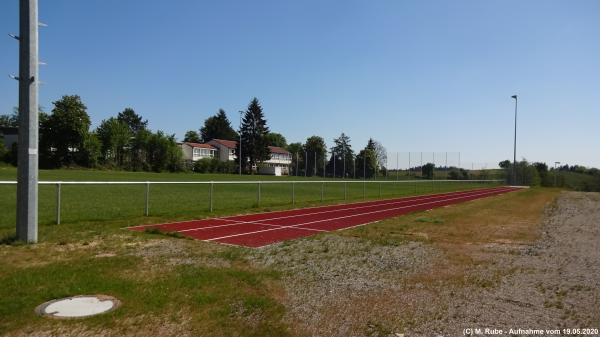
196	151
226	148
280	157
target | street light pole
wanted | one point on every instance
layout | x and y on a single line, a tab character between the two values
514	168
240	154
555	172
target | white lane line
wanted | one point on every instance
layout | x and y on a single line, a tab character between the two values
366	203
237	223
360	207
354	215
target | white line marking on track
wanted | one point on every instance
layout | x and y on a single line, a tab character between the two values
259	222
354	215
378	203
236	223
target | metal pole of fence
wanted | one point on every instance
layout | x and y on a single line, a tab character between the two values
379	190
354	166
210	197
364	189
293	193
147	199
334	160
322	190
58	192
345	190
315	173
258	195
344	161
397	166
305	163
408	171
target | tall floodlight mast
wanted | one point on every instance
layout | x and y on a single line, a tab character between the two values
27	172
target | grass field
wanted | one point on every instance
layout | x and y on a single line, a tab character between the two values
172	286
94	204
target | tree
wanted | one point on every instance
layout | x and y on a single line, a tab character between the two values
505	164
253	133
65	131
163	153
276	139
115	136
132	120
192	137
139	151
315	145
341	153
380	155
297	161
91	150
10	121
366	163
217	127
427	170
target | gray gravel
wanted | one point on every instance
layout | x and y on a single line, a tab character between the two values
341	286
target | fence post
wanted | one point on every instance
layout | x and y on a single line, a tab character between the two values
293	193
322	190
380	190
345	190
58	192
258	195
364	189
210	196
147	199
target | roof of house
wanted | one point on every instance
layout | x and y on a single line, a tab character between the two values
204	146
232	144
276	149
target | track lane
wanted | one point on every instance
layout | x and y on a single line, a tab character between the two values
256	230
271	235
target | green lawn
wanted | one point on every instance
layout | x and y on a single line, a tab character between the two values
126	203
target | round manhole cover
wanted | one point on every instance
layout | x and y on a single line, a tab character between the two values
78	306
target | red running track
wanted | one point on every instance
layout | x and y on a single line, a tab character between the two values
261	229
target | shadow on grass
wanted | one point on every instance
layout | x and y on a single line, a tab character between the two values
156	231
11	240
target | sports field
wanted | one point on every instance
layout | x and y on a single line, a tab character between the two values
262	229
167	203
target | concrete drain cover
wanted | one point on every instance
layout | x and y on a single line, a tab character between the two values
78	306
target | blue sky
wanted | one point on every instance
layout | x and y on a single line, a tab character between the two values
415	75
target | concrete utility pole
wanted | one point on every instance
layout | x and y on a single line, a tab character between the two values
27	174
514	168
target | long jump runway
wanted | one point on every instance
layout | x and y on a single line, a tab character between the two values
261	229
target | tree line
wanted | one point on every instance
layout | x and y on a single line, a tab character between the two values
125	142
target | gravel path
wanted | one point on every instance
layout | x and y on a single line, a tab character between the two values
341	286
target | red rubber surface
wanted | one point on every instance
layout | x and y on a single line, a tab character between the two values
257	230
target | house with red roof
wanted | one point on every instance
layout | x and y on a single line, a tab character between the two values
278	164
196	151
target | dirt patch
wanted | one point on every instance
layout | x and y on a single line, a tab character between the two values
327	275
